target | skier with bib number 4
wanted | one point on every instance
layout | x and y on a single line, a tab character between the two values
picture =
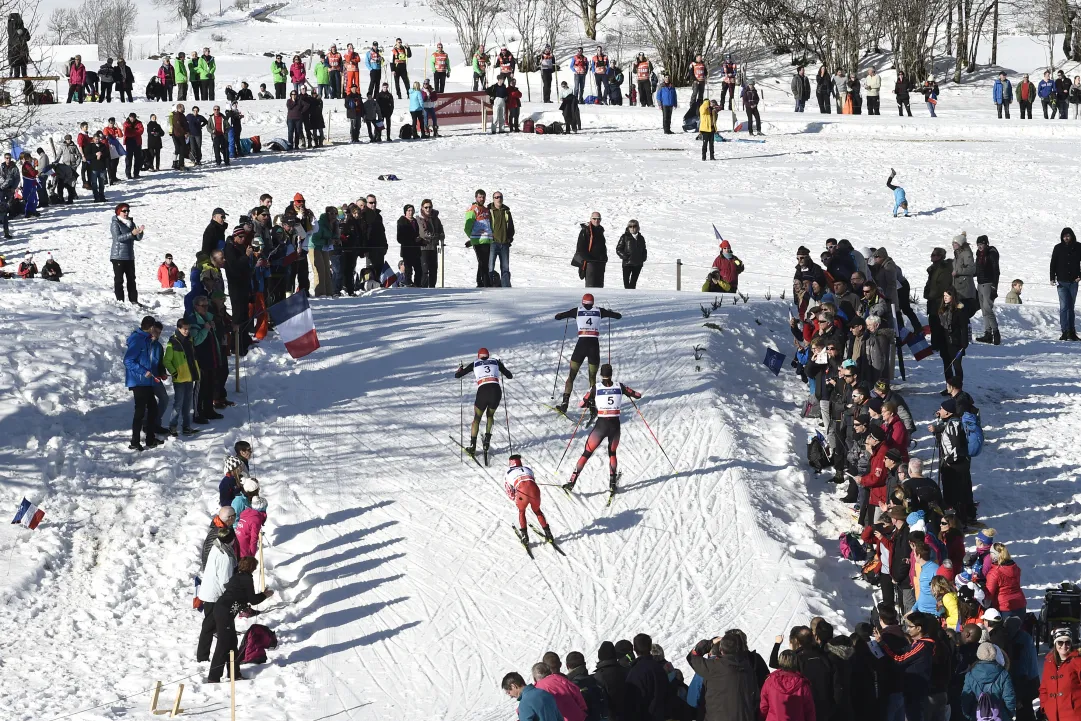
487	372
605	401
522	488
588	346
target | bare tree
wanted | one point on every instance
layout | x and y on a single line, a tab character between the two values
61	25
553	21
186	10
525	17
678	29
17	115
592	13
472	20
119	18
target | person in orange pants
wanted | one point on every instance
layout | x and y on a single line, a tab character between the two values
257	312
257	300
351	63
522	488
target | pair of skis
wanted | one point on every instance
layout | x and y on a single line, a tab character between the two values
540	533
472	454
612	488
587	424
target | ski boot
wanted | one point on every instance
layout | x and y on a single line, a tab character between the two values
548	534
472	450
612	479
569	486
487	444
523	536
562	407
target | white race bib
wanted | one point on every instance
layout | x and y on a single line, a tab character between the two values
609	401
589	322
486	371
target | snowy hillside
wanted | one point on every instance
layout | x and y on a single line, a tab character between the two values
403	593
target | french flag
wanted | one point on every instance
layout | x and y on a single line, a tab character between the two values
28	515
918	345
293	320
717	233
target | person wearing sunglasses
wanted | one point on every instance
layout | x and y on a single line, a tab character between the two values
124	233
1060	689
591	253
631	249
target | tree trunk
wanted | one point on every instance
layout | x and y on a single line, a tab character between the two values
962	41
994	37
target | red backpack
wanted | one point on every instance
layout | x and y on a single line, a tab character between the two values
254	645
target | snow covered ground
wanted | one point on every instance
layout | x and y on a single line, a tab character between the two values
403	591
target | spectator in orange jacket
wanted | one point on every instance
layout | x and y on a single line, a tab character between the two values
168	273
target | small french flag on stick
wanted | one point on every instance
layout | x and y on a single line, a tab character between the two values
293	320
28	515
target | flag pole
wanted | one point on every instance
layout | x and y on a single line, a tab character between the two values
236	334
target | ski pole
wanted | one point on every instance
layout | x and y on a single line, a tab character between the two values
506	413
652	433
560	362
461	419
573	434
609	340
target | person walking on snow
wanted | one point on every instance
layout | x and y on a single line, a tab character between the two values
1065	276
588	346
604	400
900	200
521	487
487	371
1003	94
987	275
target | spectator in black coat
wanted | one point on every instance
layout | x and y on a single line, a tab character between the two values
915	662
1065	275
591	253
631	249
592	692
730	687
296	110
953	316
239	592
214	235
647	683
987	288
839	652
375	241
238	269
409	240
612	678
385	99
354	232
814	666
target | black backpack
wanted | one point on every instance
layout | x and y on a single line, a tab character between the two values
407	132
556	128
817	457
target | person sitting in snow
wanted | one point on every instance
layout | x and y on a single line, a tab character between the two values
28	268
168	273
51	270
900	202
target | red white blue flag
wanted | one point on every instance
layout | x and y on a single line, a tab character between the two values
28	515
918	345
293	320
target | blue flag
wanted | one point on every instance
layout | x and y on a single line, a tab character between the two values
774	361
717	233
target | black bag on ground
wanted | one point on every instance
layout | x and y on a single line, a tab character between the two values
407	132
556	128
817	457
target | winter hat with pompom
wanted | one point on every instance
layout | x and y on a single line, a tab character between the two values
259	503
986	652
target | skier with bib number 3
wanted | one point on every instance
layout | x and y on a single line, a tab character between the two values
605	401
588	345
521	487
487	371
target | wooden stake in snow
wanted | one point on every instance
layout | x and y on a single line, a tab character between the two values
175	710
262	576
232	686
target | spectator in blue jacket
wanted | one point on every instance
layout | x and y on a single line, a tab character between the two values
1045	90
534	704
124	233
1003	94
139	371
987	677
666	96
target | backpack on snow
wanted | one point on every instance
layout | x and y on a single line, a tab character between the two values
254	645
852	548
987	709
973	432
556	128
407	132
817	457
540	128
527	125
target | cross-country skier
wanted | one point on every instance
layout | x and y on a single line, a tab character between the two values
523	490
588	345
604	400
487	371
900	202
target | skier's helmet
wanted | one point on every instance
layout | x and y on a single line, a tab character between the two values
482	353
606	371
516	461
587	300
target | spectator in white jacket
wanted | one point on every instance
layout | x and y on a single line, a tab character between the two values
220	567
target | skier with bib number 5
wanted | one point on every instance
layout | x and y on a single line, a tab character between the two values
521	487
605	401
487	372
588	346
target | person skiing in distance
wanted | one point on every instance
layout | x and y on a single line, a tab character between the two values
487	372
588	346
604	400
522	488
900	200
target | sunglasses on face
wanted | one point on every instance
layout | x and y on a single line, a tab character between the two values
497	197
595	217
1062	643
371	202
831	347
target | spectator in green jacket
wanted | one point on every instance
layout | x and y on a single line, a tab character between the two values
207	68
279	73
478	226
180	73
322	75
193	76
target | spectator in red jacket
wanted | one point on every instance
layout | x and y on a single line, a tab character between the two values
168	273
875	479
568	697
514	105
896	433
1060	687
728	268
133	145
786	695
1003	584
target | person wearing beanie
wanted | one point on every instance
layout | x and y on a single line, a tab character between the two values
955	464
964	267
875	478
249	526
987	275
611	676
1060	687
985	539
987	677
51	270
219	567
249	489
807	272
1065	276
222	519
730	688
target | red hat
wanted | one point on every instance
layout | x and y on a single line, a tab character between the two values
725	245
482	353
299	197
587	299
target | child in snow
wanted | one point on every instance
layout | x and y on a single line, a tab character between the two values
1014	296
51	270
168	273
900	202
28	268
